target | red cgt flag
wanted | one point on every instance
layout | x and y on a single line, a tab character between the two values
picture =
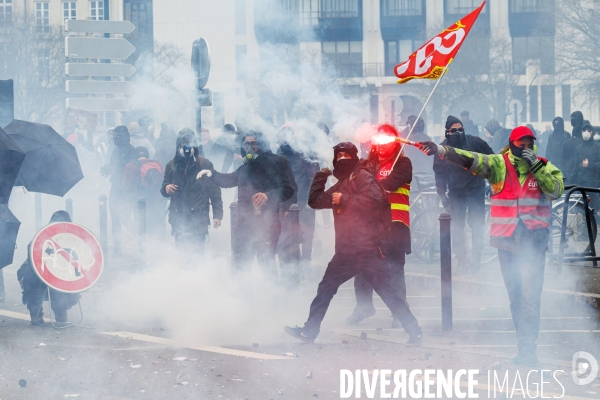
430	61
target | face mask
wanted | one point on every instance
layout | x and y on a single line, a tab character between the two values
596	137
343	167
455	140
586	135
516	151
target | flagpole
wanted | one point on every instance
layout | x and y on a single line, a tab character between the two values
419	116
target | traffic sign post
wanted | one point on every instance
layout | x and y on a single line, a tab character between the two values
201	65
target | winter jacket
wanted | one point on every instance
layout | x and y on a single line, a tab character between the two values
571	147
586	176
357	223
138	139
556	141
303	170
453	177
190	204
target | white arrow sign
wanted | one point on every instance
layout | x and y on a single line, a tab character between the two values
92	26
99	69
103	87
87	47
99	104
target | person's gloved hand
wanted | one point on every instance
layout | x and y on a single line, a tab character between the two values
431	148
529	156
445	201
326	171
204	172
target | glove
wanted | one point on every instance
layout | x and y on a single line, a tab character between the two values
326	171
204	172
445	202
431	148
529	156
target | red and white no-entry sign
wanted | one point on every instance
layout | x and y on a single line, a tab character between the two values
67	257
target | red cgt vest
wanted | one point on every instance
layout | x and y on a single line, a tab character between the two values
399	199
516	203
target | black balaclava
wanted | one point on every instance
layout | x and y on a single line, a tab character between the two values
60	216
577	123
121	136
558	124
343	168
457	139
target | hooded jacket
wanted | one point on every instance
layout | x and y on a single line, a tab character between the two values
556	141
571	147
190	204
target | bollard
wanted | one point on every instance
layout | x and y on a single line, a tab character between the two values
38	211
232	211
104	227
69	208
294	249
446	270
142	232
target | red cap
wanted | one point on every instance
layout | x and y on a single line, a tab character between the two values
520	132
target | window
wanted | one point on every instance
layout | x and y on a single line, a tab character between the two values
240	62
42	16
548	103
533	104
240	17
69	10
97	10
401	8
309	12
139	12
5	12
398	51
339	9
463	7
566	101
533	48
345	57
527	6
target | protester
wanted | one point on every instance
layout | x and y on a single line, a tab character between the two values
304	168
146	125
571	146
143	180
263	184
556	141
191	196
462	194
420	163
496	135
468	125
164	145
138	138
361	215
35	291
523	186
396	183
121	155
596	132
586	163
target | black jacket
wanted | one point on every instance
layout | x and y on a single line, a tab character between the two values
454	178
118	160
190	204
586	176
357	223
556	141
303	172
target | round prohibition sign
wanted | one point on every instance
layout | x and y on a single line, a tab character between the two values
67	257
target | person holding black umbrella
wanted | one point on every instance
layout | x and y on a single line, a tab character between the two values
121	155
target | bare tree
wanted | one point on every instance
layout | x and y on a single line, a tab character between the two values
578	38
34	58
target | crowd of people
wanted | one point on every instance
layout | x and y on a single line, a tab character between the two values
369	200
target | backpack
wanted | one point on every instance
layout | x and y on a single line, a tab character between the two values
151	174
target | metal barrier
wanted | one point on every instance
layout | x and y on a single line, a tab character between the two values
446	270
589	255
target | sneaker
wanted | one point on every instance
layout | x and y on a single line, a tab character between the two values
360	314
415	338
299	333
2	296
526	359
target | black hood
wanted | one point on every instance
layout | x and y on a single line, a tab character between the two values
559	124
191	136
577	118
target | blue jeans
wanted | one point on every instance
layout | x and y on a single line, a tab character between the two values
523	273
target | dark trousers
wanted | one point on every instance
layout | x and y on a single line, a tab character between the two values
472	209
376	270
364	290
523	273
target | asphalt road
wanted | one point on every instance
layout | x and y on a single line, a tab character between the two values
146	360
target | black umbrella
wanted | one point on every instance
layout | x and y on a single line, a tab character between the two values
9	227
11	158
51	164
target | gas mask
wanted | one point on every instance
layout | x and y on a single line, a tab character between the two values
187	151
250	155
